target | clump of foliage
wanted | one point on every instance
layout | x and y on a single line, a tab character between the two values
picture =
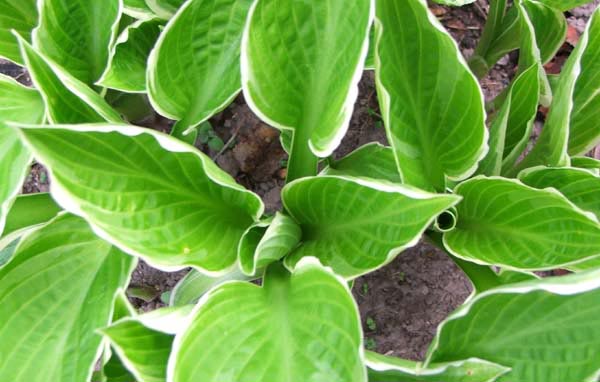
120	192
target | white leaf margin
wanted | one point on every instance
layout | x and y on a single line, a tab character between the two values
385	98
114	31
347	107
28	231
382	186
305	264
377	364
72	84
151	75
63	197
564	286
549	190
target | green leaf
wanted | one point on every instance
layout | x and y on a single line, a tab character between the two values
431	103
357	225
267	242
302	326
150	194
126	70
546	330
372	160
193	72
455	3
164	8
67	99
584	133
529	49
29	210
564	5
18	104
390	369
77	34
195	284
551	147
370	60
143	343
492	163
301	64
18	15
500	36
550	27
137	9
506	223
57	289
524	99
579	186
591	164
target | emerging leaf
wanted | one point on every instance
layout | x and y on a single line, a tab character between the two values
48	319
550	26
282	331
503	222
544	330
431	103
357	225
148	193
551	147
564	5
372	160
267	242
77	34
195	285
126	69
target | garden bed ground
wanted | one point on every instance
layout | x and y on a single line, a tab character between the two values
400	304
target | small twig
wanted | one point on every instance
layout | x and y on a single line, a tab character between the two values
480	10
228	143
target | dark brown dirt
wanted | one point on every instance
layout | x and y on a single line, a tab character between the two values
400	304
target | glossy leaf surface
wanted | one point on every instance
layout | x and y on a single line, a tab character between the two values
503	222
579	186
551	147
194	72
77	34
126	70
357	225
67	99
431	103
48	319
545	330
17	104
390	369
148	193
301	64
584	133
524	99
302	326
143	343
18	15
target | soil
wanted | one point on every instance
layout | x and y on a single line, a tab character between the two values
402	303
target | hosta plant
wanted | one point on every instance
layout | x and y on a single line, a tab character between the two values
268	297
